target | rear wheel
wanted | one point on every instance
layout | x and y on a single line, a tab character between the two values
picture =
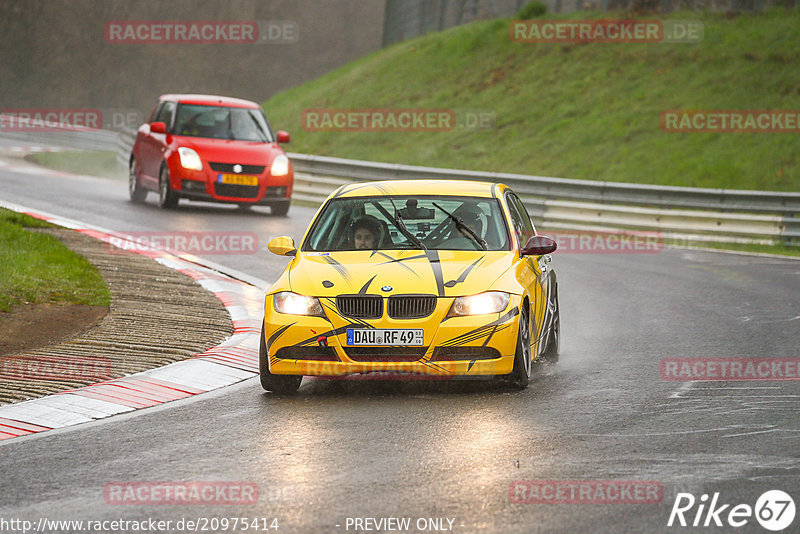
281	384
136	191
521	374
167	198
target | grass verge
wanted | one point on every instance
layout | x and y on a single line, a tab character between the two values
780	250
589	111
36	267
91	162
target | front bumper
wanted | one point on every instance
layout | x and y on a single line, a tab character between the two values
472	346
204	185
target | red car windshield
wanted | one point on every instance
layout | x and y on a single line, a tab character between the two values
216	122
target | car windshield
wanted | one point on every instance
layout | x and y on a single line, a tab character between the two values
216	122
403	222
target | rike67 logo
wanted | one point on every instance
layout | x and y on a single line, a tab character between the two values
774	510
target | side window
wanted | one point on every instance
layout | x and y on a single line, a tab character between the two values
156	112
166	113
516	221
528	230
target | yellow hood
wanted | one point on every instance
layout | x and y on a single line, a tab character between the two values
446	273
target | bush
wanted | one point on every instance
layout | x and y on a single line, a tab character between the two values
531	11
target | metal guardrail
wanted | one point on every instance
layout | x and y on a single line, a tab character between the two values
685	213
562	188
125	140
678	212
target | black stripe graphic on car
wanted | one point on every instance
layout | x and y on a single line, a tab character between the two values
349	189
433	260
363	290
485	343
436	366
475	335
331	306
341	269
464	274
335	332
483	330
277	333
399	261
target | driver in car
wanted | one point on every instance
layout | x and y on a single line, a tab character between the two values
365	234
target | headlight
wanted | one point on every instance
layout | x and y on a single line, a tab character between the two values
280	166
480	304
294	304
190	159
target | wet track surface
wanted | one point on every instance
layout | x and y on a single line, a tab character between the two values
345	449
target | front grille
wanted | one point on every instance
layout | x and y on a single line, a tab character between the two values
326	354
411	306
360	306
234	190
228	167
449	354
385	354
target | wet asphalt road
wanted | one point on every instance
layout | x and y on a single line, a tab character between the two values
342	450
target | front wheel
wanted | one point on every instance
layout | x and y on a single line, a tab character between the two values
167	198
280	384
135	190
550	354
521	374
280	209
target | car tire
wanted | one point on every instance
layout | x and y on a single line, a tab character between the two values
280	384
550	354
521	374
167	198
280	209
135	190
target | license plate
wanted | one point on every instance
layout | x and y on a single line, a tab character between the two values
237	179
385	336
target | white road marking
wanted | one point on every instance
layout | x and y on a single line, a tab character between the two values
685	387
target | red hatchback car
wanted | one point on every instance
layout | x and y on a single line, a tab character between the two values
210	148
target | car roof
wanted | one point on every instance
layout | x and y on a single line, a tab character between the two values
464	188
209	100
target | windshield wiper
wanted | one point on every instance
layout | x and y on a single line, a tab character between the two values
461	225
264	136
399	224
406	231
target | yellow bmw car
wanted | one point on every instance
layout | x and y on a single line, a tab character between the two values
446	279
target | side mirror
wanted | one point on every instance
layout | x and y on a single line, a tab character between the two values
283	137
158	127
282	246
538	245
